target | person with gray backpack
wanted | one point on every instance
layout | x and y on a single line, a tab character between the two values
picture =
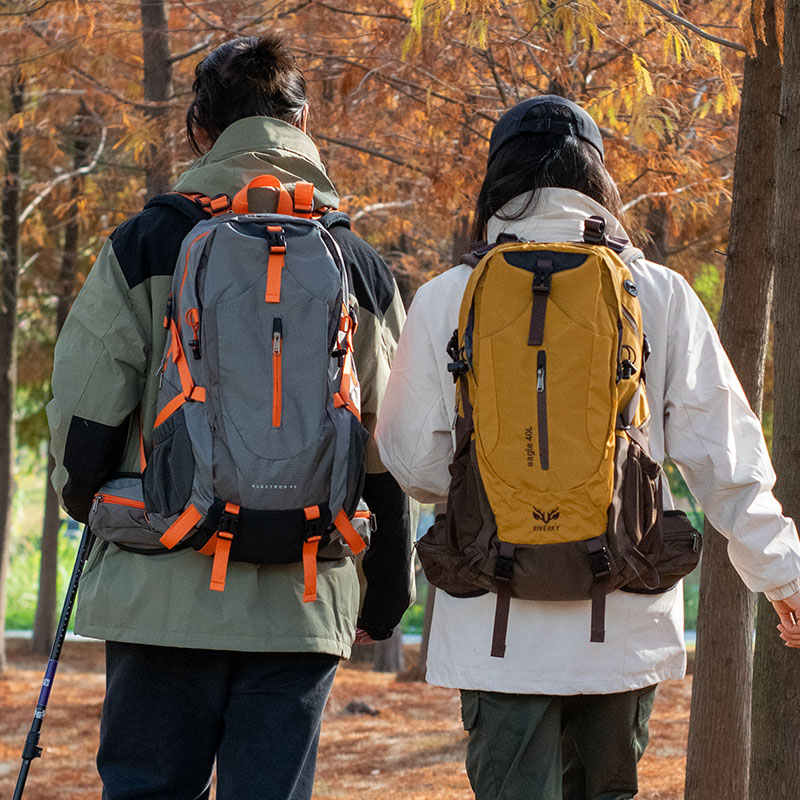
215	388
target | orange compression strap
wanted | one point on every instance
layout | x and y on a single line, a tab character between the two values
209	547
303	199
198	394
277	251
181	527
349	533
342	397
214	205
310	547
219	568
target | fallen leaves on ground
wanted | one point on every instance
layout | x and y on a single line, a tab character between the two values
412	749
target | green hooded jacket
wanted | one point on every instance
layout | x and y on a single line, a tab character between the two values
106	362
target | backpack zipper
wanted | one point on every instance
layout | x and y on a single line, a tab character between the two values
541	408
277	352
115	500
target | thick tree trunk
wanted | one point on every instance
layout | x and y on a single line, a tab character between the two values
44	624
9	279
157	89
719	733
388	654
775	766
656	227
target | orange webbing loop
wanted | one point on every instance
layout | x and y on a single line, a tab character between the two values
181	527
310	547
274	267
303	199
349	534
219	568
214	205
342	397
209	547
198	394
240	203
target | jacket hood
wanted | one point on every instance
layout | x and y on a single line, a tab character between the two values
555	215
256	146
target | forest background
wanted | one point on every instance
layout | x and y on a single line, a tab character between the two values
404	94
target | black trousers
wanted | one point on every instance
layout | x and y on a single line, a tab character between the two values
170	713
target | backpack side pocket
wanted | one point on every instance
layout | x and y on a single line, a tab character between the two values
118	516
681	547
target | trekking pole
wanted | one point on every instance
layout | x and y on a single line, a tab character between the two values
32	749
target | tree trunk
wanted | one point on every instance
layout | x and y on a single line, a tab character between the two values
774	766
44	624
9	280
656	226
157	89
719	734
388	654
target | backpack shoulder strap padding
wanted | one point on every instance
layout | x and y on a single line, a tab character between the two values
186	204
332	219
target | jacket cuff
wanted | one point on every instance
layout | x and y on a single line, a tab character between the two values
377	632
782	592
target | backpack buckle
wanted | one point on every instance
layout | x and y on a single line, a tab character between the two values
599	561
543	275
214	205
229	520
594	230
276	240
504	568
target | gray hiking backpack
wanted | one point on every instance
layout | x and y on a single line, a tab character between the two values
258	448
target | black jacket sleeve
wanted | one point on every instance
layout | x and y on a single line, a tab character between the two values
387	563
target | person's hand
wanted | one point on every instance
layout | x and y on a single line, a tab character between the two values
789	612
362	637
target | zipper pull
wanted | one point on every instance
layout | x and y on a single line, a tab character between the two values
540	379
193	320
168	312
96	503
695	541
277	336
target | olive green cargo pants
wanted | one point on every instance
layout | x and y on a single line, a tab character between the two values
546	747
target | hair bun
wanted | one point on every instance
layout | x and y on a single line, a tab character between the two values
262	59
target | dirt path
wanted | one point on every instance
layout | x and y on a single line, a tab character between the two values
412	750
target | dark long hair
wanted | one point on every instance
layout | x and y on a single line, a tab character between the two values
246	77
535	161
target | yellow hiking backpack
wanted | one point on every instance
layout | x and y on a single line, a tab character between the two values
554	495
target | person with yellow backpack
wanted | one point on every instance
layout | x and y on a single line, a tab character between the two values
536	389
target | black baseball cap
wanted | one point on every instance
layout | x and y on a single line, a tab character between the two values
519	121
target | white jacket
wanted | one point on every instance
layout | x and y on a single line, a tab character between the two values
700	418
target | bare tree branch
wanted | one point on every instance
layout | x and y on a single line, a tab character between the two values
31	207
371	151
694	28
338	10
377	208
636	200
192	50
